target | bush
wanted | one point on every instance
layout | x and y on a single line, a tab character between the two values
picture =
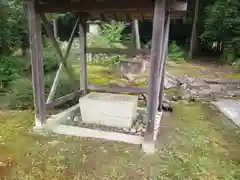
20	94
176	53
64	87
51	62
11	68
237	66
109	37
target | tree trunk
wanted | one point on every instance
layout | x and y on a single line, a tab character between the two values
135	33
55	28
193	41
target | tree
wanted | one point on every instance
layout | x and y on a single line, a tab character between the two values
193	40
13	25
222	25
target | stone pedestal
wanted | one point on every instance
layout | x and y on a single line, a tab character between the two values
108	109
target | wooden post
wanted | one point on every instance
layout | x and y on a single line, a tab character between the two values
36	49
155	66
135	34
164	59
194	31
83	59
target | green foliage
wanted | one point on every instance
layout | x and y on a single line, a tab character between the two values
11	69
223	25
110	36
176	53
13	31
51	62
20	93
237	66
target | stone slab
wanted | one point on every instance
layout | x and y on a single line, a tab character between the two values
117	110
230	108
91	133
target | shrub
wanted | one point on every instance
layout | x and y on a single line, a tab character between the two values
109	37
11	69
237	66
176	53
20	93
51	62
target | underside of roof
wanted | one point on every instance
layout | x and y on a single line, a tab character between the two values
111	9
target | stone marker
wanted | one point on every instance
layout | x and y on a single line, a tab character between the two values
116	110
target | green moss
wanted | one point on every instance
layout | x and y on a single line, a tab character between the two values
233	76
200	144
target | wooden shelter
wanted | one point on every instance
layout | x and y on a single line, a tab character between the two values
161	11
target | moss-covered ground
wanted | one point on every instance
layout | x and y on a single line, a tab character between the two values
195	143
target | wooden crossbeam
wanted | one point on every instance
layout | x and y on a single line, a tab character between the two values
55	44
130	52
57	77
108	88
107	6
64	99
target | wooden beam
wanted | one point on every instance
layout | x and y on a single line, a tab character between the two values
164	58
135	34
36	51
107	6
55	44
57	77
62	100
89	6
130	52
83	58
117	89
155	66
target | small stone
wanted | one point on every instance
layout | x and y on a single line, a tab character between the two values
133	130
175	98
76	119
126	130
139	133
143	130
139	129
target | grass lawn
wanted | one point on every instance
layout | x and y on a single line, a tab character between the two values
195	143
205	70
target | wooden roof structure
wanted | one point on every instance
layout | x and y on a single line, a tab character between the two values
103	10
160	11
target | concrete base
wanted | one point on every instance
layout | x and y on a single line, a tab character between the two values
54	125
149	145
91	133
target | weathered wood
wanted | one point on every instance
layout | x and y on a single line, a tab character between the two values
36	51
57	77
110	89
135	34
55	28
107	6
129	52
194	31
164	59
155	66
83	58
62	100
55	44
